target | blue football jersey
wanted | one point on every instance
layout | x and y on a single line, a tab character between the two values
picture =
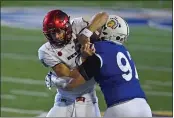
118	77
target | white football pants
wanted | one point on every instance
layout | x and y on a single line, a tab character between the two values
137	107
67	107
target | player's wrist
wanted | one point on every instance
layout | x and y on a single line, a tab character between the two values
87	32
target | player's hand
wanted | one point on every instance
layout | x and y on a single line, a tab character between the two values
87	50
48	80
98	21
51	80
82	39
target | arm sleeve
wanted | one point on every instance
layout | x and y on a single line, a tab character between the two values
91	66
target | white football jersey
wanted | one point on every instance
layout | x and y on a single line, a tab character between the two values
51	56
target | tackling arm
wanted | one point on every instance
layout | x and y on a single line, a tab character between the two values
89	68
60	69
96	23
63	71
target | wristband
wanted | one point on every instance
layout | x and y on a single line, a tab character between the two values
97	32
87	32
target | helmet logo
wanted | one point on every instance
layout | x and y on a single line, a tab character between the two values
112	23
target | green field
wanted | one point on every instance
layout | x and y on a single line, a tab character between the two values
150	48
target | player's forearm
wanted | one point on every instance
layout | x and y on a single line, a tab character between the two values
83	73
74	74
76	81
61	70
97	22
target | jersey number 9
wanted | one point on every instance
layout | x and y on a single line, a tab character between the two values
125	67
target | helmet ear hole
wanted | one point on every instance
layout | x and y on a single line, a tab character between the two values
117	38
119	25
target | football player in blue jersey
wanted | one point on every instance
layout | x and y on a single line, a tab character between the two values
114	70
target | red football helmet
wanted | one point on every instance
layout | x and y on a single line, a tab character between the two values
55	21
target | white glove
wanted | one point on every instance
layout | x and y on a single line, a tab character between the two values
51	80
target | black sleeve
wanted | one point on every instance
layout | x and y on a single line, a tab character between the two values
90	67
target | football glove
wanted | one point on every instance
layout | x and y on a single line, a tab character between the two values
51	80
